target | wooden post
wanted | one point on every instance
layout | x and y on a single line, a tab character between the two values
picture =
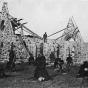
21	30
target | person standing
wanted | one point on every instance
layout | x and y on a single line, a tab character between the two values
31	60
45	37
11	63
40	70
69	61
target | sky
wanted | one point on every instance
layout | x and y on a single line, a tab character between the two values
50	15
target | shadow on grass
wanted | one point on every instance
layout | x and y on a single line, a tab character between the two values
51	77
7	76
54	75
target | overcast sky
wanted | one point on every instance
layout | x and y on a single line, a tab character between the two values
50	15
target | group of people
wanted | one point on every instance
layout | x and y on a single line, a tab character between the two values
61	66
40	63
40	72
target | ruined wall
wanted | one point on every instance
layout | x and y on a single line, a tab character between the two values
33	45
7	36
86	50
48	48
78	49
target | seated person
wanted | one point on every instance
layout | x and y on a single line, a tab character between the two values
64	68
83	71
58	64
40	70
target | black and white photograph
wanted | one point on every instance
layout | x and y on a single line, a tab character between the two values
43	43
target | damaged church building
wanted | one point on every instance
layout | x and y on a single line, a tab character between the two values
35	45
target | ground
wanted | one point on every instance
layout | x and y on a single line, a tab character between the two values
22	78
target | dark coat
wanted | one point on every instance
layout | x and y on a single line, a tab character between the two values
40	70
31	60
58	61
11	55
82	72
69	59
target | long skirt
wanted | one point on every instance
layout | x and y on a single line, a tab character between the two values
41	72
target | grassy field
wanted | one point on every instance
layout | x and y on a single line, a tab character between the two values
22	78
